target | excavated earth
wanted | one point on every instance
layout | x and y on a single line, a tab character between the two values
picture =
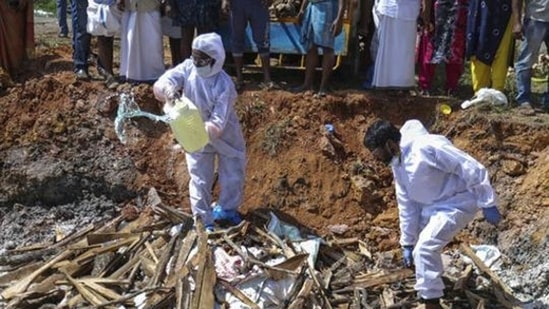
63	166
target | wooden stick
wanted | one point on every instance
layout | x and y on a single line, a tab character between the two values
300	299
202	260
378	279
298	284
207	297
98	238
26	257
161	266
18	273
238	294
182	293
102	290
505	297
88	295
116	261
71	238
151	251
36	301
99	280
150	228
23	284
319	286
107	247
127	297
180	270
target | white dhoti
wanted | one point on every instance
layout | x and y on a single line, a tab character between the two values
103	19
141	49
395	60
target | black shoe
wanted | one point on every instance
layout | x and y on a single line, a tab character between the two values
81	74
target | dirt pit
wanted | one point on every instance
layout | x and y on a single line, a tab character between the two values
63	166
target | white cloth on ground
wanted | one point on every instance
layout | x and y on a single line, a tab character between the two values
141	49
439	190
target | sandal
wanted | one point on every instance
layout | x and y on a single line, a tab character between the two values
320	94
526	109
268	86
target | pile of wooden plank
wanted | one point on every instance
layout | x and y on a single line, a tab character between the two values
161	259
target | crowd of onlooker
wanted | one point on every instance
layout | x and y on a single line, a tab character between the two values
430	32
405	38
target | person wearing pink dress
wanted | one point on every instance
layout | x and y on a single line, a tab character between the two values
442	30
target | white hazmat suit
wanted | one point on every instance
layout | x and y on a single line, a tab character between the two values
439	189
215	96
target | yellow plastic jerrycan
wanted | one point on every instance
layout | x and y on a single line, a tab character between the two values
187	125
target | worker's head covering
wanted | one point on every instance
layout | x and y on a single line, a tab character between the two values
212	45
410	130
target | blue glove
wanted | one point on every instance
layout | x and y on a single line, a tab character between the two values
491	214
407	255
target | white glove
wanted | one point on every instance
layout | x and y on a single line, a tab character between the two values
168	108
170	93
213	130
164	91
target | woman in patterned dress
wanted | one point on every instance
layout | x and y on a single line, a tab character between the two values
489	42
442	40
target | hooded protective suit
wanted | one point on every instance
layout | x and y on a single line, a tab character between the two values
214	95
439	189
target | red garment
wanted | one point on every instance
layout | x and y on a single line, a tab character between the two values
427	73
16	34
446	44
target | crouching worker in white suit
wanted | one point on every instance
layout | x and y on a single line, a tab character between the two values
439	189
201	79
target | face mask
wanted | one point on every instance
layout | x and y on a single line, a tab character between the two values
384	154
205	71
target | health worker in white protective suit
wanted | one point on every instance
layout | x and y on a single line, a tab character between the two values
439	189
201	79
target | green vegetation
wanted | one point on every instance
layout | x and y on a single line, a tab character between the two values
46	5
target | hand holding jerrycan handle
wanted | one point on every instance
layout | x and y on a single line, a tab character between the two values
187	124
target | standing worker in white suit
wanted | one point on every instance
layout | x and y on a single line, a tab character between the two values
201	79
439	190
